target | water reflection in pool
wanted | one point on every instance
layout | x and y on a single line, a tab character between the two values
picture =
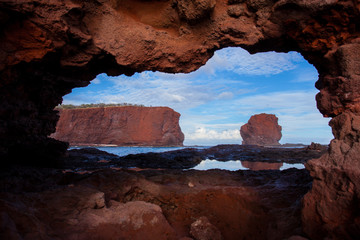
245	165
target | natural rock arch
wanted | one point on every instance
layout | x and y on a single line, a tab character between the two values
49	47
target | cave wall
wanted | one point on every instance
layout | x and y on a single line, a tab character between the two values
49	47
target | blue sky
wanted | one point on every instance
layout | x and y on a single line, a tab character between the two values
217	99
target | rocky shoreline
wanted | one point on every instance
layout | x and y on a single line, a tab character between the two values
92	158
49	48
96	196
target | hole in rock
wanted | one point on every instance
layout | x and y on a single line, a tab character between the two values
221	96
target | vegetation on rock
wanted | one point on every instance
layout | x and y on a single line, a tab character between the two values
96	105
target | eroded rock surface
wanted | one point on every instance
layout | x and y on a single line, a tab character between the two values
48	48
113	204
121	126
332	205
202	229
261	129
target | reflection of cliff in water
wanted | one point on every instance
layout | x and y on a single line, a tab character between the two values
257	166
246	165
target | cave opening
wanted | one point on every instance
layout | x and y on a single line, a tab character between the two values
218	98
50	47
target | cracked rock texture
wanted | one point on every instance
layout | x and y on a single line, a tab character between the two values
48	48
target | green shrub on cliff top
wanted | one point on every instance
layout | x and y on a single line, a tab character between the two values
97	105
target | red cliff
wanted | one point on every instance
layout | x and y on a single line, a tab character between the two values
261	129
123	126
48	48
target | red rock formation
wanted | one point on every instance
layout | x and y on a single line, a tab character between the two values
202	229
331	208
122	126
49	47
257	166
111	204
332	205
262	129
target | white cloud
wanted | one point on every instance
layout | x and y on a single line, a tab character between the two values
301	121
242	62
158	89
225	95
210	134
205	119
308	74
312	120
287	102
184	91
194	96
96	81
308	126
111	99
147	89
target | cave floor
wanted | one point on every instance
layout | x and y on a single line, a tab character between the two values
40	203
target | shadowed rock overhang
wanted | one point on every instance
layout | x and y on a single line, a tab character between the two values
48	48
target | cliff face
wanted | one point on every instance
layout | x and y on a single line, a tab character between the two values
123	126
262	129
48	48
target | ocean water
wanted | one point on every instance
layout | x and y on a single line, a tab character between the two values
123	151
245	165
205	164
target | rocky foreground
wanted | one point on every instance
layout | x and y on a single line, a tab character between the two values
49	48
110	202
151	204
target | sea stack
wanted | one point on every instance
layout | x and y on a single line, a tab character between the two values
120	126
262	129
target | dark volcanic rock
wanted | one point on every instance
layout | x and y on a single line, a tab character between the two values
47	48
178	159
316	146
262	154
92	158
112	204
87	158
262	129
